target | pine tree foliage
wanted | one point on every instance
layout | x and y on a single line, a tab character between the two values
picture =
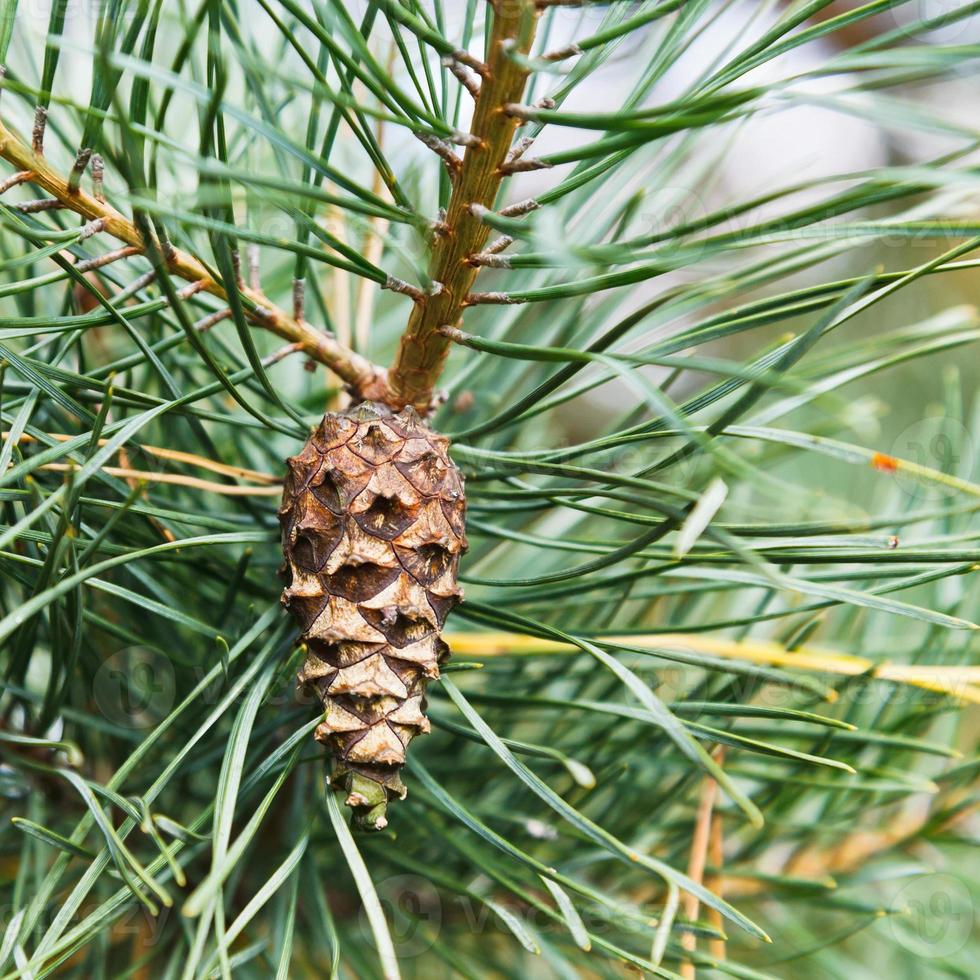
711	681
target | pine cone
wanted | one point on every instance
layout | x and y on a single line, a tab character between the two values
372	531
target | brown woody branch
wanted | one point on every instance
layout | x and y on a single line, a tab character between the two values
424	346
459	249
365	379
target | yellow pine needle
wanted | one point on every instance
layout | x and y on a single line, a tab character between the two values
273	484
178	479
958	681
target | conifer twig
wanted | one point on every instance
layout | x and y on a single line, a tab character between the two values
700	843
716	854
466	76
423	348
695	868
365	379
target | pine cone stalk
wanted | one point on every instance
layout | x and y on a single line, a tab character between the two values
372	524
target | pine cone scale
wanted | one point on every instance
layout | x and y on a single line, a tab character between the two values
372	518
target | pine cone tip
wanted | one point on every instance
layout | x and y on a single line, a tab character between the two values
367	797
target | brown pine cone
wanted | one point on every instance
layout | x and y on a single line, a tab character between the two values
372	523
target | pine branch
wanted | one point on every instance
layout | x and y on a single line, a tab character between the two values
816	626
423	347
365	379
